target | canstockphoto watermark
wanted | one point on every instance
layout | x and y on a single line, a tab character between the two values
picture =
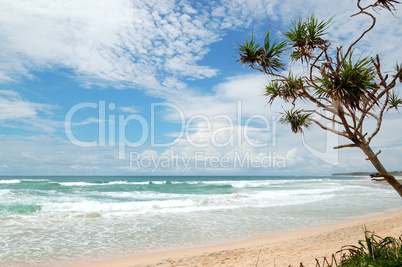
199	160
221	130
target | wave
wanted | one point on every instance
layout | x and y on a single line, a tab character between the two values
4	192
228	183
180	196
21	209
14	181
35	180
76	184
151	202
103	183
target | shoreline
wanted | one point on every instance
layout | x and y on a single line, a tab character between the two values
278	249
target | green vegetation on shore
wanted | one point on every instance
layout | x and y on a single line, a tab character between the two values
373	251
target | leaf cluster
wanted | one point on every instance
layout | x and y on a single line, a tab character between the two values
350	83
297	119
267	56
305	36
374	251
288	90
387	4
398	68
394	101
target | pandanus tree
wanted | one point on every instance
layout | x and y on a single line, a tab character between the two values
337	86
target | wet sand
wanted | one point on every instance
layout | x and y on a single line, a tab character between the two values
281	249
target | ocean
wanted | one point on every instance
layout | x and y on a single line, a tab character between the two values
61	221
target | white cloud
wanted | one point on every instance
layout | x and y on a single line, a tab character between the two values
17	112
13	107
42	155
128	42
87	121
4	166
157	46
144	44
78	167
130	109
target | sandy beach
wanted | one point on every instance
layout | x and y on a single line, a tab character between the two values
280	249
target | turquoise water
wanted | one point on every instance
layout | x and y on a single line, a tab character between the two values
59	221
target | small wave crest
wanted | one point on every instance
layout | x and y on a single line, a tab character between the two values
14	181
22	209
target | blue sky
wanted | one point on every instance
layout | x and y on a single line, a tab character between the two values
153	88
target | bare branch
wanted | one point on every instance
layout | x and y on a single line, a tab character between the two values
376	154
329	129
343	146
390	86
373	115
379	120
350	112
367	111
324	117
311	98
378	180
352	115
377	66
385	175
362	11
341	113
313	65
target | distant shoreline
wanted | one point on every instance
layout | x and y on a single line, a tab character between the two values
394	173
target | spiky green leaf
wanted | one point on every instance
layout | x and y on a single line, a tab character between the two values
305	36
272	56
250	52
272	91
296	119
394	101
398	74
351	84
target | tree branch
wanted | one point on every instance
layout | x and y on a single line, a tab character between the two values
379	120
341	113
380	175
343	146
362	11
329	129
325	117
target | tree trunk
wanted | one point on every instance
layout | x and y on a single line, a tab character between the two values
382	172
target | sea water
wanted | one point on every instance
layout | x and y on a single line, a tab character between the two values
59	221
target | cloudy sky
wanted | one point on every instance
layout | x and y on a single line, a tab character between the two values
131	87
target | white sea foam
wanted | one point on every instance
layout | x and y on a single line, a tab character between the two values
186	182
158	182
76	184
105	183
260	183
4	192
141	195
14	181
35	180
113	218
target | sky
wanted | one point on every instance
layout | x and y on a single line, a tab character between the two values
130	87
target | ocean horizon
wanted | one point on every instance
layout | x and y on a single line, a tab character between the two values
66	220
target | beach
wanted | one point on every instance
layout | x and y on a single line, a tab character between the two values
280	249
